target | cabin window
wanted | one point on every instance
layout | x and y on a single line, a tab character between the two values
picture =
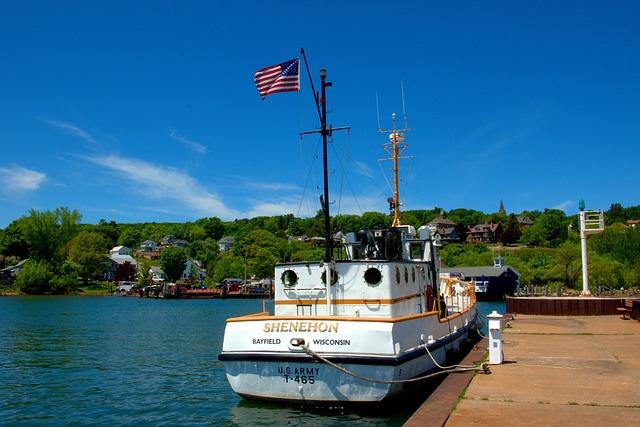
397	275
406	275
334	277
372	276
289	278
413	275
416	250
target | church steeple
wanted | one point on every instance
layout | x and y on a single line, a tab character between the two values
501	209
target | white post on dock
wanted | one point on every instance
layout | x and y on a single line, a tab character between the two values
495	338
591	222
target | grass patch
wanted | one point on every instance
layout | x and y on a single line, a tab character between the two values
96	288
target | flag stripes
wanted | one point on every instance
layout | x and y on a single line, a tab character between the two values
283	77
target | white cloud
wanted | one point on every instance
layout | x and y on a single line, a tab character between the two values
260	208
16	179
74	130
167	185
273	186
198	148
363	169
564	205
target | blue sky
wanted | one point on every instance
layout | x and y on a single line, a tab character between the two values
146	111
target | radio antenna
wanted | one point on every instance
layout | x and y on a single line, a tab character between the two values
404	110
378	111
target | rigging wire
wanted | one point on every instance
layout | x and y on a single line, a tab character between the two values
309	175
355	198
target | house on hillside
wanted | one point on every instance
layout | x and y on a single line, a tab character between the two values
201	273
157	275
448	230
120	250
171	241
10	272
225	244
491	283
524	221
148	246
484	233
302	238
148	249
115	261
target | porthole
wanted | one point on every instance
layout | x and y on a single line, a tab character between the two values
334	277
406	275
289	278
413	274
372	276
397	275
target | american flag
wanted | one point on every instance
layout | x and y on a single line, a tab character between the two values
283	77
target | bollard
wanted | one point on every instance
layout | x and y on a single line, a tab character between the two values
495	338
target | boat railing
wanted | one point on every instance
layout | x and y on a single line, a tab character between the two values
309	293
458	295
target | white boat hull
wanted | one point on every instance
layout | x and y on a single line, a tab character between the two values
267	366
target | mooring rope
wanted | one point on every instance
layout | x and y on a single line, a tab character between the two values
484	368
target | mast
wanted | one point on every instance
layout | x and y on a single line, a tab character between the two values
325	200
325	131
395	147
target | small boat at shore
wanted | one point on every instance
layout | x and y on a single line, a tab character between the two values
363	327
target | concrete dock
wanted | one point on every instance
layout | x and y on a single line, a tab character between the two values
579	370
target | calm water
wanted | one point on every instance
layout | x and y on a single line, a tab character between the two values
112	360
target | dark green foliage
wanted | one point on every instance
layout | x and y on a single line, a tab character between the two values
618	242
48	232
511	231
35	277
375	220
465	217
109	230
465	255
229	265
63	283
13	241
173	262
130	236
87	253
261	242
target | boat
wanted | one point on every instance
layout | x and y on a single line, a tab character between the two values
364	325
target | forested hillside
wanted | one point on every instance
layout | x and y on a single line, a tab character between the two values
61	249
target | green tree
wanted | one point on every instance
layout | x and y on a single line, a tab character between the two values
228	265
87	252
616	213
47	232
34	277
532	235
554	225
130	236
143	277
568	263
465	217
173	262
262	264
605	272
375	220
13	242
109	231
511	231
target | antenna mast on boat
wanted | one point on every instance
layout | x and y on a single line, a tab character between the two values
321	106
395	147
